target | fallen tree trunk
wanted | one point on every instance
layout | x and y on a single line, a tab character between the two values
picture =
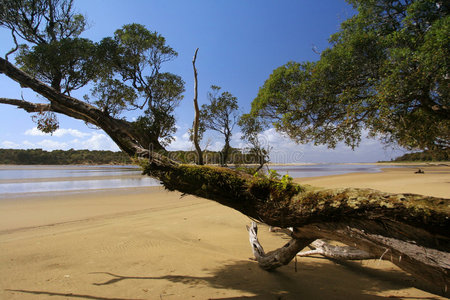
410	230
425	263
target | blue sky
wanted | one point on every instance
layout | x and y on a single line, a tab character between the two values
240	43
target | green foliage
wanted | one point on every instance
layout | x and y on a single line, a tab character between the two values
387	72
273	188
46	121
236	156
251	127
428	155
61	157
204	181
66	65
32	21
220	115
112	96
136	55
125	69
273	175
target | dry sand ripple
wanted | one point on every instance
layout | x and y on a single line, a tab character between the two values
147	243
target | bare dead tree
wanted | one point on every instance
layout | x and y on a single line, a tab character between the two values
195	134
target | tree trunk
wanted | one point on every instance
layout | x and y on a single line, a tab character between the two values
121	131
225	151
410	230
197	114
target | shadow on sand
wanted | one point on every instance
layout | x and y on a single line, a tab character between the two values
313	280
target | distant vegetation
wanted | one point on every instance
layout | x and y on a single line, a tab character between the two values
61	157
85	157
427	155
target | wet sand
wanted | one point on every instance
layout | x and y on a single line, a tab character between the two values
146	243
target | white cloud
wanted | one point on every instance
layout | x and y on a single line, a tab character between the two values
73	132
98	141
284	150
9	145
180	143
60	132
35	132
83	140
52	145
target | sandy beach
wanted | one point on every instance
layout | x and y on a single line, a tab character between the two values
146	243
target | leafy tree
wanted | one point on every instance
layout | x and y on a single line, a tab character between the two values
251	128
124	70
112	96
220	115
386	71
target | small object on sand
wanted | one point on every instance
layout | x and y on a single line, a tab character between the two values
419	172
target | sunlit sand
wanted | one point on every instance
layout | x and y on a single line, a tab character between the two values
146	243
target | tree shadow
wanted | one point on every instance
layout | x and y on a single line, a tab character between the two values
313	280
67	295
316	278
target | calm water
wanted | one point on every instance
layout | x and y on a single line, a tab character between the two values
325	169
24	180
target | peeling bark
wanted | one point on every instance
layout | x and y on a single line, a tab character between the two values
336	252
279	257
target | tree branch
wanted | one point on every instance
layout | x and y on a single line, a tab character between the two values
27	106
279	257
121	131
336	252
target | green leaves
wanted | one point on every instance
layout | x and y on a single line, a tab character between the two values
41	21
387	72
66	65
112	96
46	121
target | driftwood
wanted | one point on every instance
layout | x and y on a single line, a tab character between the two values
319	246
336	252
410	230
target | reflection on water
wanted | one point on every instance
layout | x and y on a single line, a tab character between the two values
23	180
22	172
325	169
20	180
47	186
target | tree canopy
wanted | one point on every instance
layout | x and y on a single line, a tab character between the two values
124	70
220	115
386	73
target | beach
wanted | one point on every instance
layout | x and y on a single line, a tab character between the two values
147	243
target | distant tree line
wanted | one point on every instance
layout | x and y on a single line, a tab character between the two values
234	156
427	155
85	157
61	157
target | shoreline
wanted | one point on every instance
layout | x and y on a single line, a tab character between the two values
147	243
434	182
